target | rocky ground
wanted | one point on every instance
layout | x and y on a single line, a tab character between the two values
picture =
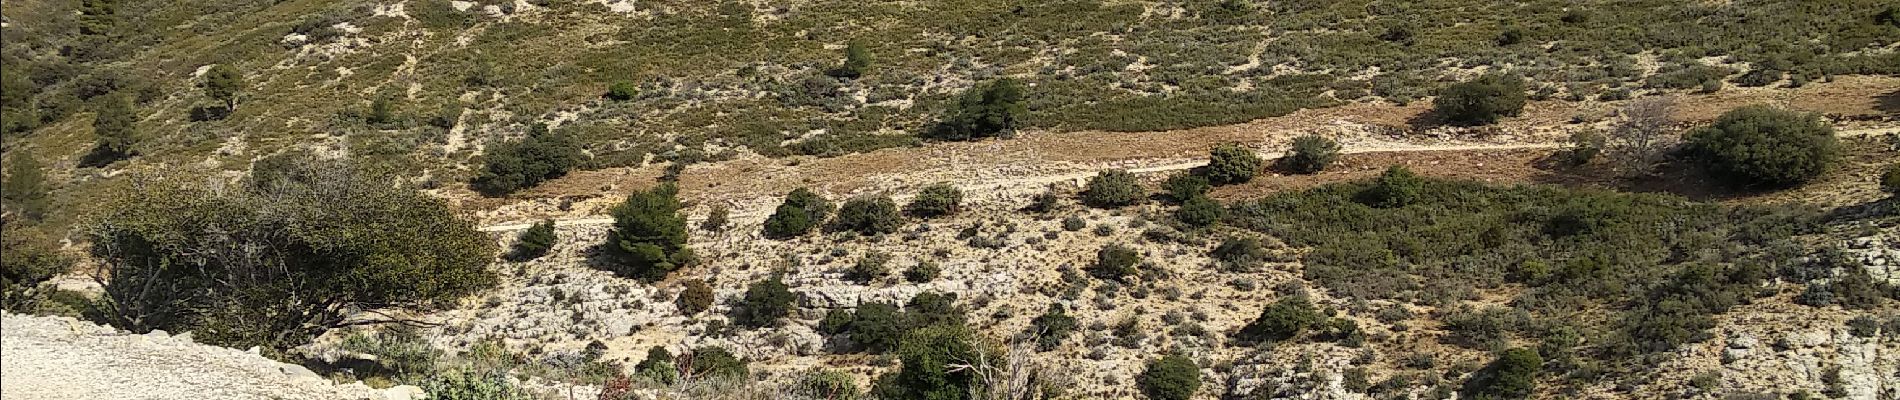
54	358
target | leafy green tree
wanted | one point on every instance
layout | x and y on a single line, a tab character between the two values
1052	327
30	259
1111	189
1311	154
712	361
1116	261
224	83
534	242
649	234
278	259
857	61
802	210
1765	146
113	127
878	327
1231	163
1186	185
937	200
985	111
766	302
622	90
1280	321
1173	377
871	215
1396	187
1200	212
696	297
1513	375
24	189
1481	101
929	356
521	164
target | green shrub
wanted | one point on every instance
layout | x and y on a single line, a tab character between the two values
382	111
622	90
828	385
1173	377
927	355
802	210
1396	187
922	272
224	83
878	326
464	385
1052	327
660	366
276	259
30	260
869	268
937	200
1481	101
1310	154
1186	185
24	190
870	215
1763	146
521	164
648	240
400	352
857	61
985	111
1112	188
1240	253
1200	212
1890	180
1231	163
1281	321
836	321
1583	146
765	303
1116	261
713	361
1513	375
113	129
534	242
1759	77
716	219
696	297
1074	223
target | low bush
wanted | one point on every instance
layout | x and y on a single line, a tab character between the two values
622	90
1231	163
1310	154
1890	179
1200	212
1481	101
522	164
985	111
1240	253
922	272
829	385
801	211
716	219
464	385
869	268
1111	189
1513	375
1396	187
534	242
936	200
1764	146
927	356
1117	262
1173	377
766	302
1583	146
30	259
1281	321
714	361
870	215
1052	327
1186	185
648	240
696	297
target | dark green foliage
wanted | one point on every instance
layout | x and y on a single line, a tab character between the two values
696	297
1481	101
23	191
802	210
857	61
936	200
1186	185
712	361
1396	187
224	83
1240	253
1073	223
984	111
382	111
648	240
1281	321
1890	179
534	242
829	385
927	355
1310	154
1052	327
521	164
1116	261
766	302
716	219
870	215
1854	288
1111	189
934	309
113	128
622	90
1583	146
1200	212
1230	164
30	259
466	385
836	321
922	272
1759	77
276	260
1173	377
1765	146
878	326
869	268
659	366
1512	376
